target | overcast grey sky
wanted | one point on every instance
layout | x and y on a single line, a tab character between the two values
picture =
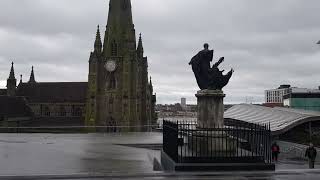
268	42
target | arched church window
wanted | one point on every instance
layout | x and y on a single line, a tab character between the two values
112	81
125	4
125	108
114	48
111	105
76	111
111	100
125	95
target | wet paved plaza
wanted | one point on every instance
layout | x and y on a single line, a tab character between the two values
101	156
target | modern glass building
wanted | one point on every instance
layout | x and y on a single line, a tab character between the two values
306	99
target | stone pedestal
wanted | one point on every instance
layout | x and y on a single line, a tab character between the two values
210	115
212	144
210	108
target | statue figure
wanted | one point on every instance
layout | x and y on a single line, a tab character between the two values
209	77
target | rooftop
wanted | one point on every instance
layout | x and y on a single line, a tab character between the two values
280	119
53	92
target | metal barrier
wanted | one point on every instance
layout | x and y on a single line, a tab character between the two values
185	142
79	129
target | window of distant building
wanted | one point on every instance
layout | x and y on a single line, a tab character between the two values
62	111
47	111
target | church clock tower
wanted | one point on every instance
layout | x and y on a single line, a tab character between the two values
114	91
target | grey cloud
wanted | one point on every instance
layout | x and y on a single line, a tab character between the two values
267	42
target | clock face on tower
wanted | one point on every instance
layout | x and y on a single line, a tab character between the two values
110	65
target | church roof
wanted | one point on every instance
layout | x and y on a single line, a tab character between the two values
54	92
14	107
280	119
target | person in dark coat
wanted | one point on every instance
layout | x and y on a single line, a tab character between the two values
275	151
311	154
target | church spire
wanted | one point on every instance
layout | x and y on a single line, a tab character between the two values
120	13
151	86
120	33
11	82
20	79
12	76
98	43
140	47
32	79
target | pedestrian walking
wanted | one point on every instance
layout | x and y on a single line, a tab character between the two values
275	151
311	154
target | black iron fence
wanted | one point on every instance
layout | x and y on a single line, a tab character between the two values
189	142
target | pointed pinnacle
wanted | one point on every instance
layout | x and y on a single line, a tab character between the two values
12	76
98	43
98	30
140	44
32	78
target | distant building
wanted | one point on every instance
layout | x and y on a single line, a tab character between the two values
287	124
184	103
274	97
302	98
293	97
165	111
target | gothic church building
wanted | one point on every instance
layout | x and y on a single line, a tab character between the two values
118	91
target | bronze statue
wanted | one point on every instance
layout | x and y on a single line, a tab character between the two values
209	77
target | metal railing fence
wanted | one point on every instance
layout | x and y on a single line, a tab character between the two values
185	142
79	129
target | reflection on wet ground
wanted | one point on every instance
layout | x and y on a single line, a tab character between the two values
101	156
29	154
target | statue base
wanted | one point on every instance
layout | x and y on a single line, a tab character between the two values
210	108
212	144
